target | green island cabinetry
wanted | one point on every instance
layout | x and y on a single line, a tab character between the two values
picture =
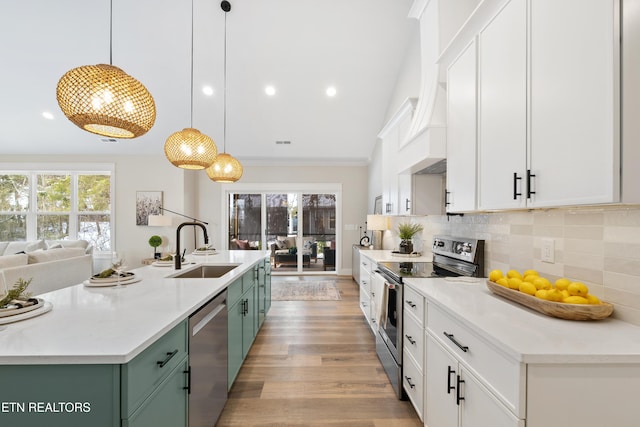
249	299
150	390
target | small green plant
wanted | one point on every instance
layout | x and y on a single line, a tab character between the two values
406	231
154	242
17	292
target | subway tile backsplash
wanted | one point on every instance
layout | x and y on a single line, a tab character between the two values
599	246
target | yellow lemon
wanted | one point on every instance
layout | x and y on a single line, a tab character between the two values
514	283
565	293
514	273
503	281
530	272
554	295
530	278
541	283
562	283
574	299
494	275
593	299
542	294
527	288
578	289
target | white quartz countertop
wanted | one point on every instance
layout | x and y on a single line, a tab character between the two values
389	256
97	325
525	334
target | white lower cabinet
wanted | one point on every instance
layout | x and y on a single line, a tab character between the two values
413	349
457	398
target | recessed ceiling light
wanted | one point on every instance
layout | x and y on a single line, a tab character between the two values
47	115
207	90
270	90
331	91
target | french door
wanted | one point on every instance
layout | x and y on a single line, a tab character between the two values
299	228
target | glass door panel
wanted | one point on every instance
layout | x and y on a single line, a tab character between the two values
282	230
319	232
245	221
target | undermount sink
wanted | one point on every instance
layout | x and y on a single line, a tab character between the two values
206	271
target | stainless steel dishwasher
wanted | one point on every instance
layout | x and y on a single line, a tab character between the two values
208	362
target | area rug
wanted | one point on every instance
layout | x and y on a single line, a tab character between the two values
290	290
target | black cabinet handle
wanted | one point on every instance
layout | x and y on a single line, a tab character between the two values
409	382
449	386
406	205
446	198
410	339
245	307
161	363
460	346
516	178
410	303
529	176
458	396
188	387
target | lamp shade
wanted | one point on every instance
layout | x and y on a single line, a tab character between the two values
190	149
225	169
104	100
377	222
160	221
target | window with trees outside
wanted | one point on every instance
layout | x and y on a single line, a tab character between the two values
57	205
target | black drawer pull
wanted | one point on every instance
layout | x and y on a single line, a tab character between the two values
449	386
161	363
458	396
410	303
460	346
410	339
188	387
409	382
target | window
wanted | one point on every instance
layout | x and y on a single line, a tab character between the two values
57	205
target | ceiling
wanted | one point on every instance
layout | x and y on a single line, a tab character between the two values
300	47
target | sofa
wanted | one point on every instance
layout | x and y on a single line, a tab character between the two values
282	247
50	265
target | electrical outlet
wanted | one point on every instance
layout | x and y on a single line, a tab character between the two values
548	251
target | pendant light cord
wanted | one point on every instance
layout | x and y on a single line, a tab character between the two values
111	32
224	121
191	111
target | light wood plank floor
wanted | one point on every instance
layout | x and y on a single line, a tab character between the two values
314	363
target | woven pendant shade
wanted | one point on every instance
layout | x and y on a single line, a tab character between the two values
104	100
190	149
225	169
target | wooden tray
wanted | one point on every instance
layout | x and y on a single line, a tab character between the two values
555	309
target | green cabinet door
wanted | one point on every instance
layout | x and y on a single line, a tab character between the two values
167	405
60	395
234	339
249	321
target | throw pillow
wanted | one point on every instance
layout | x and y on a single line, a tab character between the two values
63	253
13	260
281	244
242	244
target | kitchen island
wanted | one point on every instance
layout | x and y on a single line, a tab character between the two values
498	363
76	365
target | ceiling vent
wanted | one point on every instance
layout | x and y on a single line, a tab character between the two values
283	142
108	140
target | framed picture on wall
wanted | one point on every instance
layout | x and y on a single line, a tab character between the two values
377	206
147	203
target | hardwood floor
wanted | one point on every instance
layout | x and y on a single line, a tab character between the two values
314	363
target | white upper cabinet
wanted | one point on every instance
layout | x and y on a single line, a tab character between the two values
503	109
574	120
461	132
549	96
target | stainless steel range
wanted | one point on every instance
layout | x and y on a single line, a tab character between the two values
452	257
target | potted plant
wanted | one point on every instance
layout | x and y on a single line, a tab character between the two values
154	242
406	231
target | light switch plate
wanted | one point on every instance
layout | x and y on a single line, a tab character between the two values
548	251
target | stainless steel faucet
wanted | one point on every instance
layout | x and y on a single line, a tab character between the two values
178	257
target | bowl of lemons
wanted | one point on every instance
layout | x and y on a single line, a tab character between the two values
564	298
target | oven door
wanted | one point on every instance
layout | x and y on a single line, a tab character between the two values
390	327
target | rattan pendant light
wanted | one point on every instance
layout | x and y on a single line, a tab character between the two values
225	168
189	148
104	100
